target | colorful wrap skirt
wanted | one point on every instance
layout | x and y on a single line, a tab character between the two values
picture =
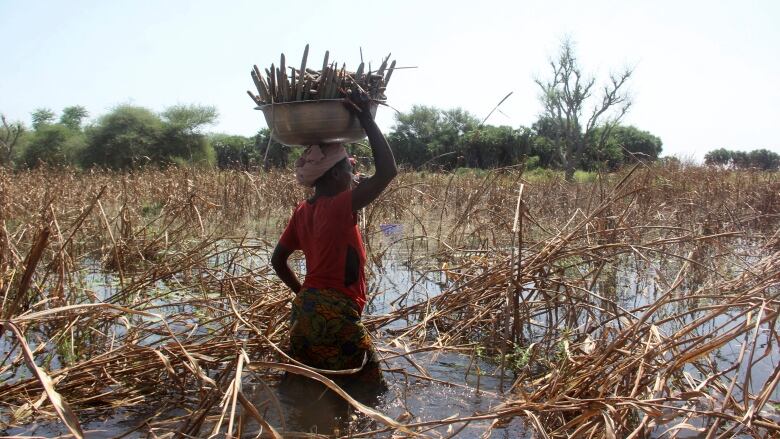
326	333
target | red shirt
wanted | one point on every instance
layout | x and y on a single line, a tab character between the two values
327	232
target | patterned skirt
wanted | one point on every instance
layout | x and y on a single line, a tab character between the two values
326	333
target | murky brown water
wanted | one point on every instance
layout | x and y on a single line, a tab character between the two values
410	398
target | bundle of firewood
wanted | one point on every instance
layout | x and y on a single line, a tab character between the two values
288	84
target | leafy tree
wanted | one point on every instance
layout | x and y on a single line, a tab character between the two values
624	144
236	152
182	140
73	116
130	136
491	147
740	159
447	148
10	139
764	159
565	97
636	144
718	157
412	134
126	137
430	135
604	156
546	152
41	117
55	145
180	148
544	144
190	118
277	156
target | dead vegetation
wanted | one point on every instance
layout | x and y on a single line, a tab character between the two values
640	304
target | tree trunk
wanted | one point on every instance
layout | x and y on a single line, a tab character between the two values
569	173
570	161
575	150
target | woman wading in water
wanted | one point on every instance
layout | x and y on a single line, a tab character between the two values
326	331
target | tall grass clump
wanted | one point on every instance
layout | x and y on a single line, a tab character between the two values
635	304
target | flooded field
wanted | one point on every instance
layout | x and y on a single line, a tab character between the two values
615	308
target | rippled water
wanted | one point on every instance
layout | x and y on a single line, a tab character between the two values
407	399
411	399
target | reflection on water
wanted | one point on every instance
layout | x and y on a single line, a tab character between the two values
428	401
630	284
412	399
409	398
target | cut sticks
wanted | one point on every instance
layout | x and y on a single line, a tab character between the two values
289	84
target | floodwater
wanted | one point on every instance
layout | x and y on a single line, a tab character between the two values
473	383
408	398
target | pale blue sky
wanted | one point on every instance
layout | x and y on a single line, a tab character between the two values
706	72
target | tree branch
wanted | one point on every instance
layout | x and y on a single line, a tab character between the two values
9	136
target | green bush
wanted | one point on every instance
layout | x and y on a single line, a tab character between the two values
532	162
127	137
236	152
179	147
130	136
585	176
492	147
542	174
54	145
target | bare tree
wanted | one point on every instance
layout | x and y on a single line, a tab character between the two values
9	138
565	98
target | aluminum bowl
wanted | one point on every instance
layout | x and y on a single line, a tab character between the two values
313	122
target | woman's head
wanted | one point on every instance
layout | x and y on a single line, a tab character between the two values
338	178
319	161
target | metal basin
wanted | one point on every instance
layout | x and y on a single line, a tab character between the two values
313	122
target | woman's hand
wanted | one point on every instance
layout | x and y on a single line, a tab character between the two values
368	189
359	103
282	268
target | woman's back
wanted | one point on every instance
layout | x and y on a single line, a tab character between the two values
327	233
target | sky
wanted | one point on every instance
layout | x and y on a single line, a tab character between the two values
705	72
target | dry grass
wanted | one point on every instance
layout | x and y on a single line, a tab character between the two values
189	307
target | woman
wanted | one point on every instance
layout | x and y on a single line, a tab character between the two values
326	332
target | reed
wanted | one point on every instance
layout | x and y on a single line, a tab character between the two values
151	290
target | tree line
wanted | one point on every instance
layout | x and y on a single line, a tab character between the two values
579	127
762	159
126	137
129	137
425	137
